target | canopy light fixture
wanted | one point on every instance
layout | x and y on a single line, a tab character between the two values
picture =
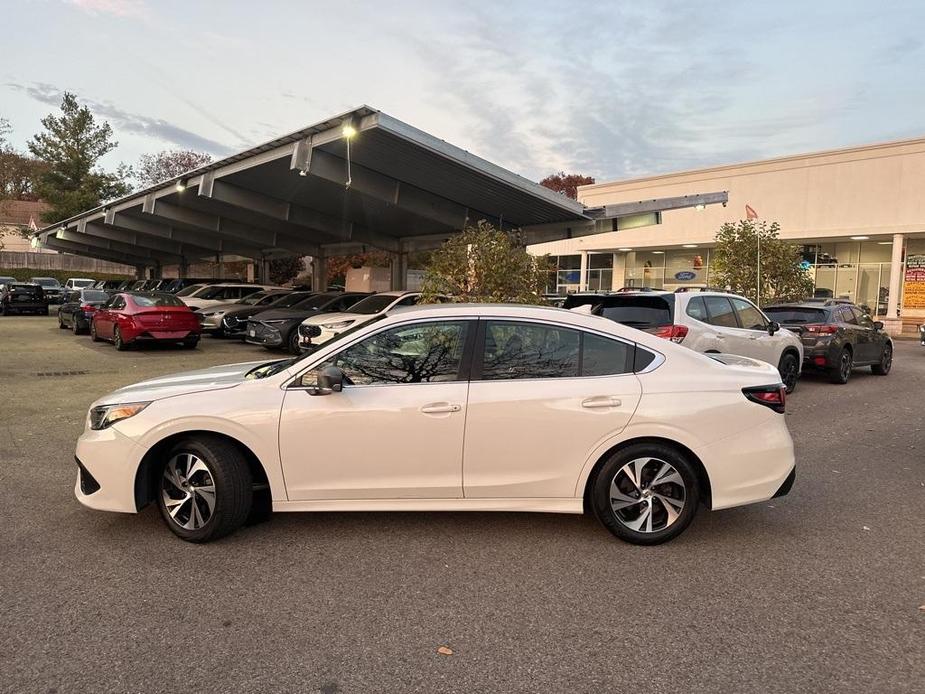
181	185
859	238
690	245
625	250
884	243
658	252
348	130
700	208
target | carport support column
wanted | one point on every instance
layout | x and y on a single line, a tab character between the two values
892	322
583	272
183	269
399	266
220	261
319	273
140	272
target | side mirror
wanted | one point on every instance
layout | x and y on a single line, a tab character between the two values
878	325
330	380
773	327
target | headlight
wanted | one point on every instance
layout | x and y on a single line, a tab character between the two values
338	325
209	314
107	415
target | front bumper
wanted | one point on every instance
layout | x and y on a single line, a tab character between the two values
264	335
107	463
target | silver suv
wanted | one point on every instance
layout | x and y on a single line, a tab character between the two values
707	321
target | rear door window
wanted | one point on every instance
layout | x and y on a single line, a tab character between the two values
720	311
846	315
601	356
514	350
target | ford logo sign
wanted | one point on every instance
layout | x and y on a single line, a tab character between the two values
685	276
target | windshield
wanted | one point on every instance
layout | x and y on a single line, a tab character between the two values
190	289
372	304
316	301
288	300
46	281
211	292
146	300
94	295
253	299
795	314
276	367
82	283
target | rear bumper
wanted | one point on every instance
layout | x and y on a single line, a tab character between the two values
821	355
785	488
750	466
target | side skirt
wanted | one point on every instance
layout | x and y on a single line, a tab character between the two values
567	505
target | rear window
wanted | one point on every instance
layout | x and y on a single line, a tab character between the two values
95	295
30	289
146	300
49	282
796	314
637	311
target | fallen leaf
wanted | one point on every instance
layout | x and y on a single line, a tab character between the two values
866	528
921	608
443	650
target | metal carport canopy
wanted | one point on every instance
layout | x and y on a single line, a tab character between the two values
399	190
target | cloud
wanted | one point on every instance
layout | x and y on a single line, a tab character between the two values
125	121
117	8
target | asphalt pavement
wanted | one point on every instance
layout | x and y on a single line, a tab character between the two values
817	591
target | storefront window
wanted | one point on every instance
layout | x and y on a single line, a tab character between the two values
645	269
600	272
687	267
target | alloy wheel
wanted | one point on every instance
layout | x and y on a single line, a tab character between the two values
188	491
886	361
790	374
844	366
647	495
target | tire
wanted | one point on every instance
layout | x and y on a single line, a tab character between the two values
222	465
643	462
789	369
75	327
61	325
117	340
93	335
292	344
841	372
886	361
191	343
47	311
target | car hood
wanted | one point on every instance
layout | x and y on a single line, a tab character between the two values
334	318
213	378
221	306
287	314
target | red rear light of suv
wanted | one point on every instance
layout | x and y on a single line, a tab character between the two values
821	329
88	309
774	396
675	333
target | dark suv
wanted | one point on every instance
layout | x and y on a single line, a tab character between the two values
22	298
836	336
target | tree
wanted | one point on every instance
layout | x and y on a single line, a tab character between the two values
17	170
284	270
734	263
486	265
566	183
71	145
167	164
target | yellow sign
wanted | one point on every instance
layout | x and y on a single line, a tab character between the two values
914	282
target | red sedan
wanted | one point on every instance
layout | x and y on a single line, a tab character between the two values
130	317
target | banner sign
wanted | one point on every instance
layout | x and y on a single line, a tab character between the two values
914	282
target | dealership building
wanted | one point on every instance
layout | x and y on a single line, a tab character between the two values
858	215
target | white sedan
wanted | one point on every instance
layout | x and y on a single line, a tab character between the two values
449	407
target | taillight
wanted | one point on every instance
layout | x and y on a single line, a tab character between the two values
675	333
774	396
87	308
821	329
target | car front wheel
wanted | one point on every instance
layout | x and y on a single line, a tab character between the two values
121	345
882	368
205	490
646	494
93	336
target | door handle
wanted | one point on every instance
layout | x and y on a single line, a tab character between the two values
440	408
603	401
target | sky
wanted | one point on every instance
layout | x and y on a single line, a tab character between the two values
614	89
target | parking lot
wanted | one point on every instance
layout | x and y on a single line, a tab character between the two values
818	591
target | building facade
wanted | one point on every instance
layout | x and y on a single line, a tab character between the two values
857	213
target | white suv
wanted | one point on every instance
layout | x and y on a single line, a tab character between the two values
209	295
706	321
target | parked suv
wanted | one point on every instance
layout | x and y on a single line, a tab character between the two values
706	321
52	288
22	298
837	337
79	283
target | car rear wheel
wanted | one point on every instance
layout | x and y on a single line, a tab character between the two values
191	342
789	369
61	325
646	494
93	335
205	489
293	342
121	345
841	372
75	327
886	361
